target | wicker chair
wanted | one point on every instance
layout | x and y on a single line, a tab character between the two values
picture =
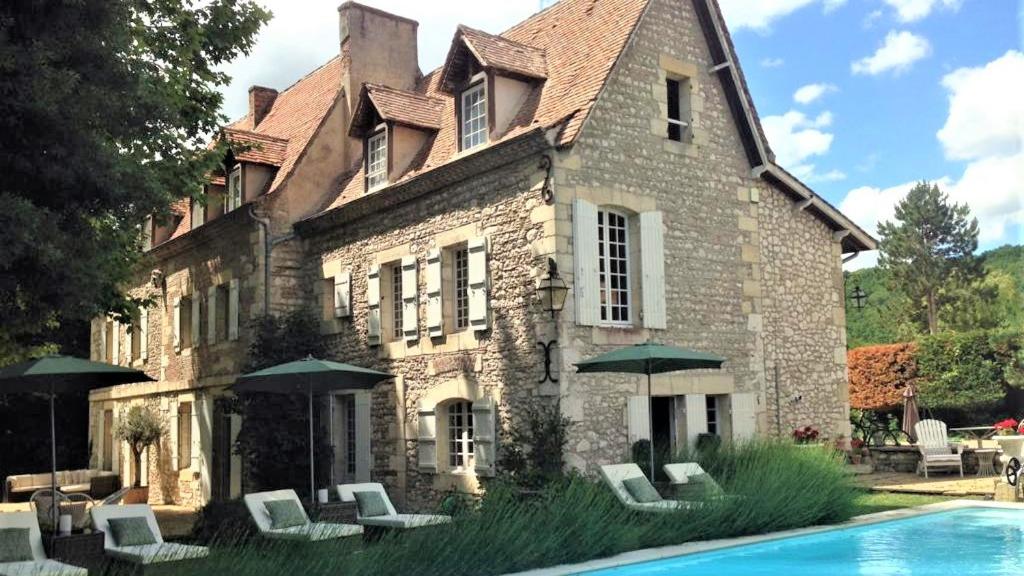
77	505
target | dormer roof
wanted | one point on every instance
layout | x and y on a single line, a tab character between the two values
398	106
492	52
249	146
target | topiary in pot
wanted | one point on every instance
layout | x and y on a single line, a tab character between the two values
141	429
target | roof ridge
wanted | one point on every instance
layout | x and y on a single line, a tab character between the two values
462	27
294	84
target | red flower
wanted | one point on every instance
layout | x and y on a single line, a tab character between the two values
1008	424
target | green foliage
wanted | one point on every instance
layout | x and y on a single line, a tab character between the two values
274	439
140	428
775	486
532	453
106	112
929	249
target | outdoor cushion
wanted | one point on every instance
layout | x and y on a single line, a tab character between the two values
75	488
15	545
132	531
41	568
156	553
405	520
698	487
370	503
641	490
285	514
315	532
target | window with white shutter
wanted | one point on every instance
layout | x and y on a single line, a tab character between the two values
144	334
743	415
614	267
696	417
342	295
195	334
479	285
638	418
373	304
426	440
115	354
211	315
652	264
410	301
585	279
233	309
176	318
435	310
484	441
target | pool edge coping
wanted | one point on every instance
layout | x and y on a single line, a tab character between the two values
663	552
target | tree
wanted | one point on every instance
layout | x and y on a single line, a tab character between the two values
141	429
929	248
105	115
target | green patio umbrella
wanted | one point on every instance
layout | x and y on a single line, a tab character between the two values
54	374
309	376
650	358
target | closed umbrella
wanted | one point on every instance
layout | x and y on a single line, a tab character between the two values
911	416
55	374
309	376
650	358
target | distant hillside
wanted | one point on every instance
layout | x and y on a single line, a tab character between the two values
880	322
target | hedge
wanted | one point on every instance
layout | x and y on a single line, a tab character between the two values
879	374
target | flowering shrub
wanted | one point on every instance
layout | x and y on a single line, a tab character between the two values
856	443
878	375
805	435
1007	426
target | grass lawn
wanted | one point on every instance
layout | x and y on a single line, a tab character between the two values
870	501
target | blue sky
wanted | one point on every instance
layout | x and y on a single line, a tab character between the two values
859	98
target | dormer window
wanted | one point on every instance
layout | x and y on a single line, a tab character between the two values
377	160
474	116
233	198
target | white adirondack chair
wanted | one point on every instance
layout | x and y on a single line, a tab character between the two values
936	451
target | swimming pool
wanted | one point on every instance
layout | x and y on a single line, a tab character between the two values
964	542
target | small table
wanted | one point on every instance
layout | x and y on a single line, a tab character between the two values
985	458
84	549
977	433
335	512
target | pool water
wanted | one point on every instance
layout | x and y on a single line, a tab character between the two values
964	542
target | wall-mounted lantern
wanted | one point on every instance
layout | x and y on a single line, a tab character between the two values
551	290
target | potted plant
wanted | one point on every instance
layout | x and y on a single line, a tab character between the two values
856	451
141	429
1006	427
806	435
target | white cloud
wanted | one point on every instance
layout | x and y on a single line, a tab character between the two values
897	53
760	14
811	92
795	138
913	10
772	62
986	109
304	35
871	18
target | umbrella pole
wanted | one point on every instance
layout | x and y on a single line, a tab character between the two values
312	457
54	503
650	419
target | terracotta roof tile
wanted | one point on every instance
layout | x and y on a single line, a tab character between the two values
504	54
401	106
258	148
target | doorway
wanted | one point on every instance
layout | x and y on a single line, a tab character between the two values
663	424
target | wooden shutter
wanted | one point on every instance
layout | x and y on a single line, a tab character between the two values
652	264
435	311
196	335
484	450
233	309
115	354
211	315
99	345
129	335
144	333
373	304
586	282
638	419
343	295
174	408
743	414
426	440
479	313
696	417
410	304
176	322
363	401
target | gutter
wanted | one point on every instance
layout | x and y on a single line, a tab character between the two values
268	246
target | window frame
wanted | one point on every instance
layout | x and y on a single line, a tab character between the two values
676	127
184	449
231	203
460	287
604	268
460	437
712	414
396	330
474	87
369	186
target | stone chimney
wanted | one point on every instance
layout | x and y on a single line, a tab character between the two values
379	48
261	99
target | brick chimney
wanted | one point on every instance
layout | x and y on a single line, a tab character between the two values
261	99
379	48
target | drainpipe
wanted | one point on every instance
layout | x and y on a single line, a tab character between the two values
264	224
851	256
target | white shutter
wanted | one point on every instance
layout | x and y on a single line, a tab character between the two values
696	417
176	320
373	304
203	447
211	315
363	402
144	333
115	450
410	304
233	309
652	263
639	418
197	438
483	436
343	295
585	279
130	341
116	347
426	440
235	471
435	312
196	335
477	275
743	411
101	354
172	408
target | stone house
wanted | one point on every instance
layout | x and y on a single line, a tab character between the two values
417	212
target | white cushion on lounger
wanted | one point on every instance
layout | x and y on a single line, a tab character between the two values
347	493
310	532
615	474
156	553
41	568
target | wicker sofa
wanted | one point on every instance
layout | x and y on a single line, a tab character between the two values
95	483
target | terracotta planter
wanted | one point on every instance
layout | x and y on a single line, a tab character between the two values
138	495
855	458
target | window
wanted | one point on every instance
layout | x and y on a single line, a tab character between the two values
221	314
350	434
712	413
613	266
136	339
111	333
107	462
460	435
678	94
474	116
377	161
185	324
396	301
184	435
461	291
233	198
198	214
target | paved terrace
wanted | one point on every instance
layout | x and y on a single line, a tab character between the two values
174	521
